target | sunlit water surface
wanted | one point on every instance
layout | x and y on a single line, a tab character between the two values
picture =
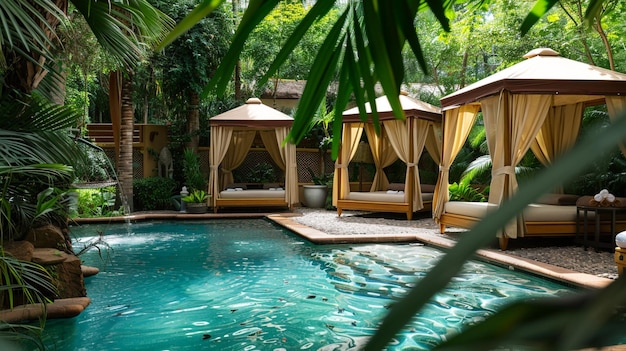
250	285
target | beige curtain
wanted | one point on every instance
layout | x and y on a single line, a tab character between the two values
271	143
512	123
558	133
287	155
382	154
615	105
408	138
220	140
239	146
350	137
433	141
457	123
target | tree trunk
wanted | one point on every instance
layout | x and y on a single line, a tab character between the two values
125	165
605	40
193	120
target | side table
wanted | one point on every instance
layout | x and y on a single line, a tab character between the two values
598	213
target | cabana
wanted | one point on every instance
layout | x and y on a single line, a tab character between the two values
232	134
404	139
536	104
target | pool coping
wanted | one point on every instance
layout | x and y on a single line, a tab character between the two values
567	276
285	219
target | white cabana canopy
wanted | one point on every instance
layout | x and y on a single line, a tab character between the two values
404	139
537	104
232	134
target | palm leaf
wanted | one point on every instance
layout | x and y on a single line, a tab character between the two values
256	11
539	10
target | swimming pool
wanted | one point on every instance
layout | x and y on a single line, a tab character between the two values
251	285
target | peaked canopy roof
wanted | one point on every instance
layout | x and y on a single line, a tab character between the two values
412	108
545	72
252	114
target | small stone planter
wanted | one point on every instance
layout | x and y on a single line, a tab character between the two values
314	196
196	208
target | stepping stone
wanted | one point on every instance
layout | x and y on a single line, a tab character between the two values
88	271
61	308
48	256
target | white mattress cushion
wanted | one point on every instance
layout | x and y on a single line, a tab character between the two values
382	196
254	193
532	213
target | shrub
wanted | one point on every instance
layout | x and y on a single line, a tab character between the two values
99	202
154	193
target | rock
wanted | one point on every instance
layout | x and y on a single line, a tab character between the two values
69	278
21	250
88	271
60	308
46	236
48	256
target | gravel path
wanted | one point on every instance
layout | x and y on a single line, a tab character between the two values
559	252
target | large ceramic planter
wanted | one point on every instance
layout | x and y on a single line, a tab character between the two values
196	207
315	195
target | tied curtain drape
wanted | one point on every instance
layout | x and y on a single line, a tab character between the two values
350	137
511	123
407	139
433	142
615	105
457	123
383	155
220	140
285	159
240	143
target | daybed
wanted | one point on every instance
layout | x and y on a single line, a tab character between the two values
232	134
382	201
252	197
403	139
537	105
549	219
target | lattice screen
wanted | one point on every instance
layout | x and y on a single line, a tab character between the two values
137	164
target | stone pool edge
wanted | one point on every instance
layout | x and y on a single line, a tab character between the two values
567	276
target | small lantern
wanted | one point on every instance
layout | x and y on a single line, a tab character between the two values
183	205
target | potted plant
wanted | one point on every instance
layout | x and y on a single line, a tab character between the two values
315	195
196	201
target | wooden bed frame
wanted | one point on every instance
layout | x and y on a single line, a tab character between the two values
378	206
251	202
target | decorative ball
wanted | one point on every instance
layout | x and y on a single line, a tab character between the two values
597	197
604	193
610	198
620	239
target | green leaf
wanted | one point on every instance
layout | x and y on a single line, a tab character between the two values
540	8
594	8
201	11
319	10
319	78
256	11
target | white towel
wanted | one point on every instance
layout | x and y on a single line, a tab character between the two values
392	191
238	189
230	189
272	189
279	188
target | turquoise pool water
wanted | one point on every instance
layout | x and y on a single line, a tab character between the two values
250	285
